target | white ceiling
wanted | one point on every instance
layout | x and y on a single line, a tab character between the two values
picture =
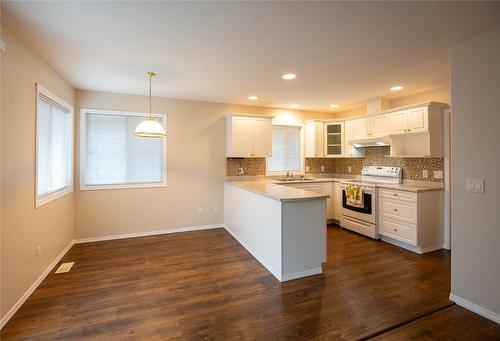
342	52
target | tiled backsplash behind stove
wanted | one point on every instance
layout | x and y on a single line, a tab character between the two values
374	156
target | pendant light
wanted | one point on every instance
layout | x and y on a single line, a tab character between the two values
149	127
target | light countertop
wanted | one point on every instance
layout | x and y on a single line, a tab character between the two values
410	187
275	189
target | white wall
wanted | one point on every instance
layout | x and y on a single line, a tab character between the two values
475	105
24	227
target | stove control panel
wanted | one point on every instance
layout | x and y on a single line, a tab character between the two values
392	172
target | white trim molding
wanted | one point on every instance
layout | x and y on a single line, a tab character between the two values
148	233
490	315
33	287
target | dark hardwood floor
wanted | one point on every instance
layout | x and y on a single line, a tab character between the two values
452	323
204	285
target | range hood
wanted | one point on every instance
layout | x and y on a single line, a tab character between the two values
372	108
371	142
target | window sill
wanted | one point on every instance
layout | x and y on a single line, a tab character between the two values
84	187
48	198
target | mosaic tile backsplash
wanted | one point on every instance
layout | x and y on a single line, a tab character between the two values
374	156
251	166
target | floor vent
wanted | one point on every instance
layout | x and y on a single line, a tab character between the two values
65	267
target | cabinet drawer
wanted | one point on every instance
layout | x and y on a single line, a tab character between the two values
398	230
398	195
399	209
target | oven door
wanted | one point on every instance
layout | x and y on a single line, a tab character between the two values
365	213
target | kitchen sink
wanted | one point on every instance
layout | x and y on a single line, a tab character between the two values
295	179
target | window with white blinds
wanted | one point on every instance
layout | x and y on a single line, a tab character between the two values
287	150
54	147
113	157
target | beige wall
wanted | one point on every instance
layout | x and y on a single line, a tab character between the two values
24	227
475	234
195	162
441	95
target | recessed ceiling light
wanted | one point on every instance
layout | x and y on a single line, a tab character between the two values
253	98
397	88
334	105
289	76
294	106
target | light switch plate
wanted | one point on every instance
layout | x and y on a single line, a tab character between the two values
474	185
425	173
308	169
438	174
349	169
322	168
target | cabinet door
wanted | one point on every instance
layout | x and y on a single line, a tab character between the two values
334	136
360	128
347	137
379	125
398	122
327	188
261	136
319	142
241	136
337	201
417	120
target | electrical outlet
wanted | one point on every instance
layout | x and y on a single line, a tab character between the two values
438	174
349	169
199	211
322	168
425	173
38	252
216	210
308	169
241	171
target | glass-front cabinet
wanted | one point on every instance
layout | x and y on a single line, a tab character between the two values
334	138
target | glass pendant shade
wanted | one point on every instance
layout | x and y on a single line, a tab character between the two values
150	128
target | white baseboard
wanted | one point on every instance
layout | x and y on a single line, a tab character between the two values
490	315
148	233
301	274
410	247
33	287
272	270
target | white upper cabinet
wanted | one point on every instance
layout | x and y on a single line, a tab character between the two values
379	125
262	135
315	139
360	128
398	122
248	136
334	139
409	121
371	126
418	120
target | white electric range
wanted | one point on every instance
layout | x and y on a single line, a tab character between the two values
364	219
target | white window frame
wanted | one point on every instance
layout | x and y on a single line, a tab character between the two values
83	151
302	151
47	198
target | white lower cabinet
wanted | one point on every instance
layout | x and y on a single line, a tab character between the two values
337	200
326	188
413	220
